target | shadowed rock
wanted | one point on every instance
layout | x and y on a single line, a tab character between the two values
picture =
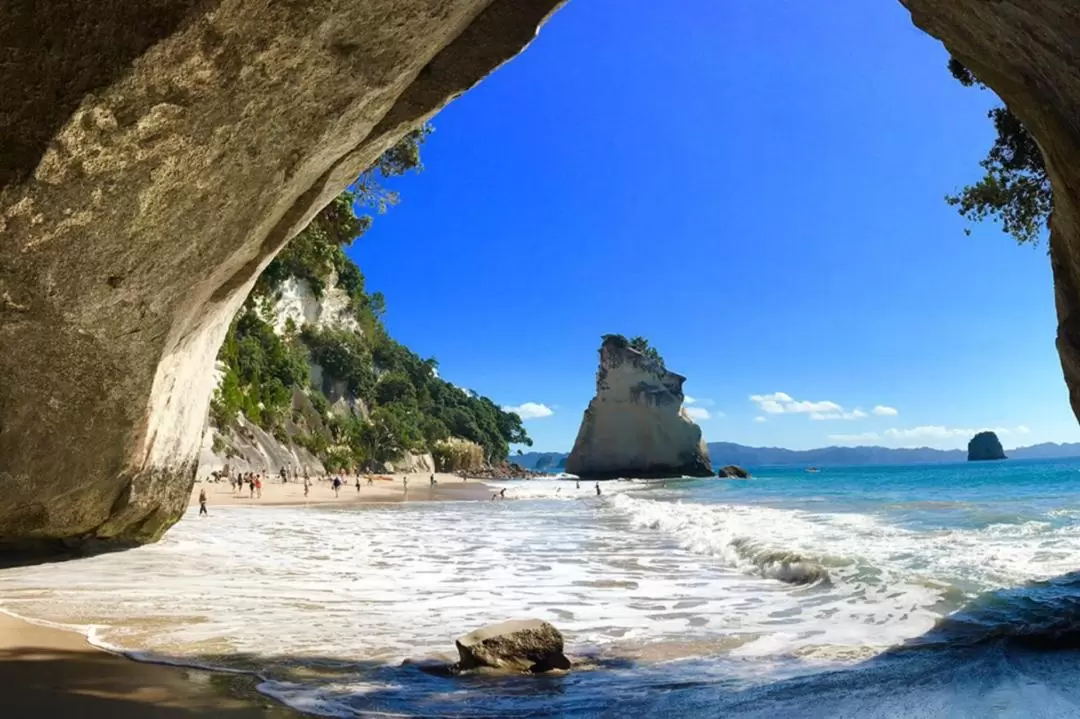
528	645
985	446
154	156
733	471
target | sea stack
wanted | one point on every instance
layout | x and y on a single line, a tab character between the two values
635	426
985	446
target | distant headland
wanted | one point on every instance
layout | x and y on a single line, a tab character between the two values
723	453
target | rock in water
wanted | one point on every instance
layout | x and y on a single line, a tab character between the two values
529	645
635	426
733	470
984	446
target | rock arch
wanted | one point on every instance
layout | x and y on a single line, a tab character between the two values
156	154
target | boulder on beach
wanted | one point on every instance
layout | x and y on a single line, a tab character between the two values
985	446
530	645
636	426
733	471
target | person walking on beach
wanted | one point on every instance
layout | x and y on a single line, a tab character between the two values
337	486
307	486
433	482
258	486
502	493
405	483
577	484
358	484
370	480
202	503
597	489
251	486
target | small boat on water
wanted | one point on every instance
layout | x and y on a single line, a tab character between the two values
812	469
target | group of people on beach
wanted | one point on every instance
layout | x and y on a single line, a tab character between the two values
252	480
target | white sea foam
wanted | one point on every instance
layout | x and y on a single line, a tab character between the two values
250	588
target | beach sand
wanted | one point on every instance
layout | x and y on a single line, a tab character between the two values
48	672
275	493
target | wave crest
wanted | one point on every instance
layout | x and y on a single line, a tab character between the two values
704	530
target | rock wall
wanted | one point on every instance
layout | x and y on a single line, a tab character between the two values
155	156
1028	51
296	302
635	426
249	448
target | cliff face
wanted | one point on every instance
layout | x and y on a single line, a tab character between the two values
247	447
635	426
156	156
1027	51
985	446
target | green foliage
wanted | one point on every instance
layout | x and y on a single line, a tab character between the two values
642	345
260	370
410	407
1014	188
456	455
638	343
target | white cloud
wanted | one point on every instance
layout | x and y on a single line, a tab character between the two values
783	403
853	414
938	432
885	411
698	414
1023	429
687	399
530	410
862	438
927	434
760	419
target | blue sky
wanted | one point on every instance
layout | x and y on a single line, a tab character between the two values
755	187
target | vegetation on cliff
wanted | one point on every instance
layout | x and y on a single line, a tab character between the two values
398	401
638	343
1014	188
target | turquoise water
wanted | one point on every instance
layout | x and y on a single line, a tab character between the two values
924	591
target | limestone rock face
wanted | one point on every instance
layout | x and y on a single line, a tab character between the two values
1027	51
985	446
154	158
530	645
635	425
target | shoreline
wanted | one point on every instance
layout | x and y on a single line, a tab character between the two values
388	489
51	671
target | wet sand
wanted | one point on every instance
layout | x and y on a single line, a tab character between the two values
48	672
291	494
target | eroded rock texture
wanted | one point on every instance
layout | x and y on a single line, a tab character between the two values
635	426
1028	51
154	156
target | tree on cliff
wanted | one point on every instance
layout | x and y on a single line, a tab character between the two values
411	407
1014	188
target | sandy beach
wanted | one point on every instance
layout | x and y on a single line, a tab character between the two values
50	672
384	488
53	672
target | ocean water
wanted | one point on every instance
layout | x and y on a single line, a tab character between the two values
931	591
